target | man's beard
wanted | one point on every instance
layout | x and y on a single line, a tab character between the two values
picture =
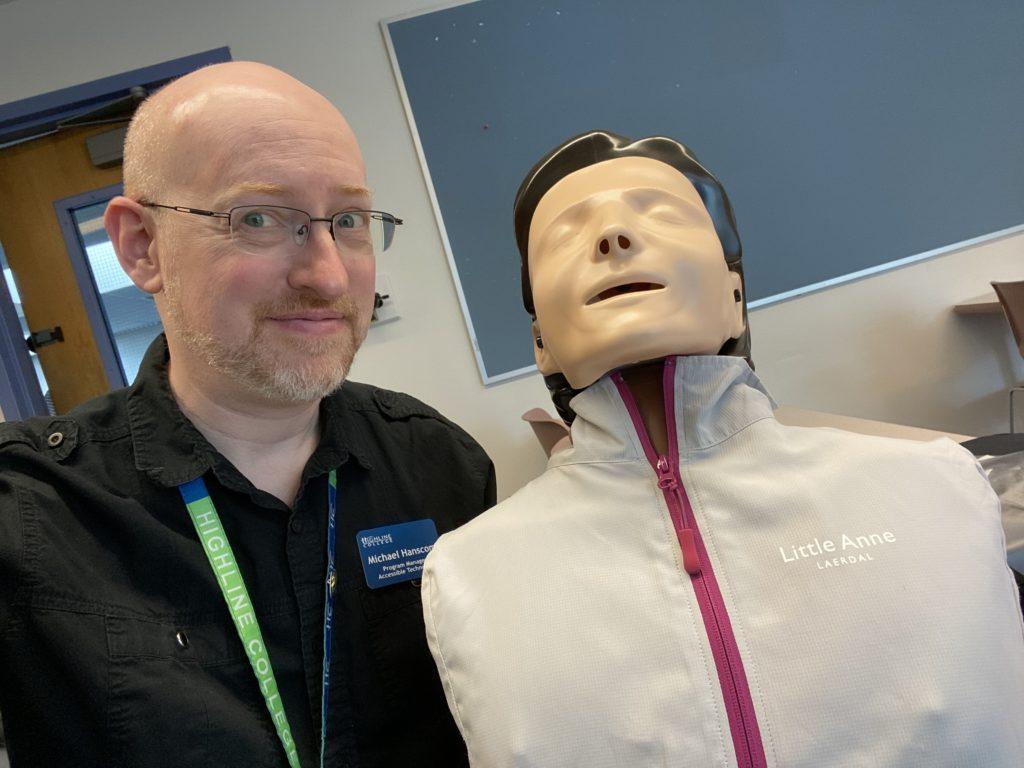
257	364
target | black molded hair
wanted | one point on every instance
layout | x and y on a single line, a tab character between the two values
596	147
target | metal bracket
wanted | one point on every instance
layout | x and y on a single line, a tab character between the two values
378	302
38	339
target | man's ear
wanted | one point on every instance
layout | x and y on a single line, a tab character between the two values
131	235
736	325
545	362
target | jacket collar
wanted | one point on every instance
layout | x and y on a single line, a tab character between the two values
715	397
172	451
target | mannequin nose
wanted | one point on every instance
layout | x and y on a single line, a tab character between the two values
609	241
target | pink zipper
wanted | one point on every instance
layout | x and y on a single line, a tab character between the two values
739	706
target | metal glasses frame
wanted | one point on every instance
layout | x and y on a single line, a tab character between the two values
380	215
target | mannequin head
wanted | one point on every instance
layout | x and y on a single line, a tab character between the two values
629	254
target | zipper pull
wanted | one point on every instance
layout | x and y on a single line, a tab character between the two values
667	482
665	479
691	560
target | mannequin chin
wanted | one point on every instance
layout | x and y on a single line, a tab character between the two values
626	266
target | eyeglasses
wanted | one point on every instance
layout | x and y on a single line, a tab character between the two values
260	229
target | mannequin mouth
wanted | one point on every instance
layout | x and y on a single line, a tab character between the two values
625	288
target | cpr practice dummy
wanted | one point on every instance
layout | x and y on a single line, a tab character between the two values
693	583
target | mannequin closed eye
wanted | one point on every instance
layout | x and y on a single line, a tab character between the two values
618	290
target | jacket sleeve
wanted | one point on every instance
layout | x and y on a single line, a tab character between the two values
12	541
20	469
430	598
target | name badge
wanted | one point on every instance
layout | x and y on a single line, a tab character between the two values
395	553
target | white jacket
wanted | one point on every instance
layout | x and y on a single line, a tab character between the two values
843	600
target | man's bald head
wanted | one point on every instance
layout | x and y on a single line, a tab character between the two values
184	134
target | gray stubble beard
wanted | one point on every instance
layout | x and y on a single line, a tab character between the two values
250	365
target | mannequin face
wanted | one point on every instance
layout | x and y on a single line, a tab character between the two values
625	266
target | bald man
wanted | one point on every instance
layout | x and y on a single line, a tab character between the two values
217	565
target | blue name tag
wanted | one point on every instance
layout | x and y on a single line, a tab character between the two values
395	553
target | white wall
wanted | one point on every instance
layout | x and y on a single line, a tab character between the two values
886	347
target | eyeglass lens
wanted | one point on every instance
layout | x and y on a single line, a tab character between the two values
257	229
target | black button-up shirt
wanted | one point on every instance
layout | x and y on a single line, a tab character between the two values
116	646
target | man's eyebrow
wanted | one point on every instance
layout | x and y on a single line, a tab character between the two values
279	190
257	186
352	190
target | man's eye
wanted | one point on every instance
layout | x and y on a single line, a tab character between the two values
351	220
259	219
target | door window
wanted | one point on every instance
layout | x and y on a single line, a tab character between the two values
12	288
130	313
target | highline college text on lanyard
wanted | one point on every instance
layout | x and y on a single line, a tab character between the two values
225	568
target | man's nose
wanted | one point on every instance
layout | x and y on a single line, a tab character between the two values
320	266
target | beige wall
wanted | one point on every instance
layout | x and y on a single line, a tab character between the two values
886	347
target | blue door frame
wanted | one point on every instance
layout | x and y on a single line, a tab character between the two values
40	114
101	329
20	396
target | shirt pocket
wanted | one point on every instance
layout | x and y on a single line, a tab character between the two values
184	692
378	603
406	690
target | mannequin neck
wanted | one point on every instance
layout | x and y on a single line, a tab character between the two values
645	382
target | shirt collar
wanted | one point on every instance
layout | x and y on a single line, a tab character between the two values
170	449
716	396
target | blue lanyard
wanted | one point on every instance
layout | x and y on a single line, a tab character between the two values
225	568
329	584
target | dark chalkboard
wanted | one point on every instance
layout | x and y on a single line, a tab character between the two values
849	135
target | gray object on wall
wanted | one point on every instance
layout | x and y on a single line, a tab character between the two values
107	149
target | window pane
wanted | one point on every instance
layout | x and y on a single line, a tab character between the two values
12	288
130	313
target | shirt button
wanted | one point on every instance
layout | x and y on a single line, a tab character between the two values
296	525
55	439
182	639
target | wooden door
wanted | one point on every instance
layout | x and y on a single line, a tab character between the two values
32	176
